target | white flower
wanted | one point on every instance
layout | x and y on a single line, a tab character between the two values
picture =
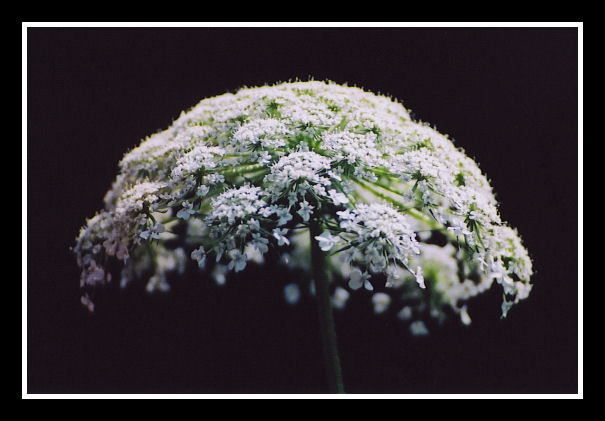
153	232
405	313
382	232
201	156
340	297
381	302
135	198
337	197
464	317
283	215
303	169
305	210
420	277
291	293
279	234
326	241
199	255
359	279
218	274
158	282
240	173
253	254
238	260
186	212
236	204
259	243
202	191
394	276
264	157
418	328
264	132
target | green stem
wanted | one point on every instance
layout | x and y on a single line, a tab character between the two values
324	311
242	169
414	213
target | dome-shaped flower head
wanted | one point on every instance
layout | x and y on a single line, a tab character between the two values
393	204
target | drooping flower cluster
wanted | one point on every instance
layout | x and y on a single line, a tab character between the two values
249	172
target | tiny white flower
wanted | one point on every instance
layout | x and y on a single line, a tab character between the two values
153	232
238	260
393	275
381	302
464	317
405	313
264	157
360	279
199	255
305	211
284	216
202	190
158	282
218	274
326	241
279	234
253	254
338	198
418	328
340	297
291	293
420	278
260	243
186	212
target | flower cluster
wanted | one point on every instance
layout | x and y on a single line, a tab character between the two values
241	174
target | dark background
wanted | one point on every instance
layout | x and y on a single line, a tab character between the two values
507	95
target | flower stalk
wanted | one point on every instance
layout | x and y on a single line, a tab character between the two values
324	311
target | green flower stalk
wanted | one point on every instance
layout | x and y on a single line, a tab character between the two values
340	182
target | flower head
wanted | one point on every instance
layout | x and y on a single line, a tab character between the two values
248	172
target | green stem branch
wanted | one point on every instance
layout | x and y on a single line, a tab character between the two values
414	213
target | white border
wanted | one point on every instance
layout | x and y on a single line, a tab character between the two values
25	25
580	210
24	211
305	24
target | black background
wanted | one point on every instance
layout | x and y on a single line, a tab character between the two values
508	96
